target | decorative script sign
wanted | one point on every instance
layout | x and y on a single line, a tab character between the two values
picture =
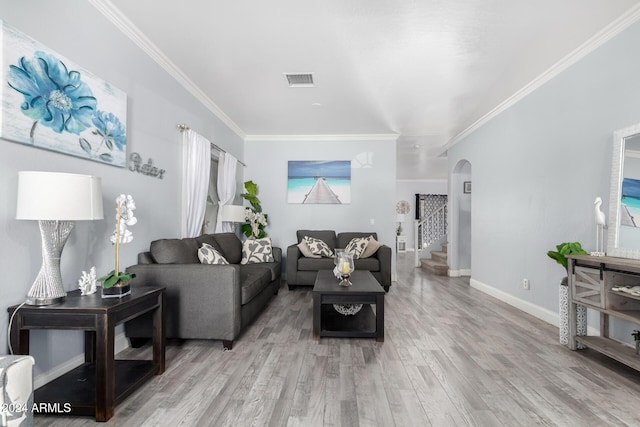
135	165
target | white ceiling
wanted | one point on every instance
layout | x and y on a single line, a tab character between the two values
426	70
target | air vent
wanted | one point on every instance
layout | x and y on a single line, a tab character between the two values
299	79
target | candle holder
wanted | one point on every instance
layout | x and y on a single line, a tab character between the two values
345	268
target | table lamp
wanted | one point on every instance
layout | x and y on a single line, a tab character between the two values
55	200
233	214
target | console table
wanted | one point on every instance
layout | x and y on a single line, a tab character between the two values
591	284
98	385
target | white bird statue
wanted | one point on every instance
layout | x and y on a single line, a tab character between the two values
600	225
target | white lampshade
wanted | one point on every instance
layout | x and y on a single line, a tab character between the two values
58	196
233	213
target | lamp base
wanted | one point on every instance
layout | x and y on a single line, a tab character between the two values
44	300
47	288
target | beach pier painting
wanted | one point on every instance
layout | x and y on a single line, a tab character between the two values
319	182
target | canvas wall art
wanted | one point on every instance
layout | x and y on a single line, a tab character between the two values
49	102
316	181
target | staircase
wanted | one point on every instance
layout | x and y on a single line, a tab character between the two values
438	262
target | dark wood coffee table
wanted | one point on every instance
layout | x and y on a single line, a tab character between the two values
366	290
98	385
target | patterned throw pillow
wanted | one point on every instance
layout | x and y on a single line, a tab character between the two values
208	255
257	250
318	247
356	246
304	250
372	248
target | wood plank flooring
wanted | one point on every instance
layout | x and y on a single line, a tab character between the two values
452	356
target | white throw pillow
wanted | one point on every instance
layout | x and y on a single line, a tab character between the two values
372	248
257	250
208	255
304	250
318	247
357	246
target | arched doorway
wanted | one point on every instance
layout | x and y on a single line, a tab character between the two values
460	220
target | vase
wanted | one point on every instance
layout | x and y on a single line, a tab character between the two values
118	290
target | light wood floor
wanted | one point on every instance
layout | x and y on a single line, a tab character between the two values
452	356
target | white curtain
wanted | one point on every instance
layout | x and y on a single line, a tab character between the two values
227	166
195	181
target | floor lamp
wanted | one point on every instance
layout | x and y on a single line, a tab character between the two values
55	200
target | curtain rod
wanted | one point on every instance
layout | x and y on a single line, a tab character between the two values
182	127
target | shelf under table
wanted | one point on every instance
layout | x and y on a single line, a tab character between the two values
618	351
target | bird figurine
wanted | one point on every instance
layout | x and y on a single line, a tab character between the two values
600	226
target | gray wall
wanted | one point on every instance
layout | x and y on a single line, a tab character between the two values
538	167
156	103
373	187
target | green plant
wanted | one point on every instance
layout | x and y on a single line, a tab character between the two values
564	249
257	220
112	278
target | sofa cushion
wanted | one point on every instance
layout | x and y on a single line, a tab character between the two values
315	264
230	247
253	279
343	239
273	267
327	236
357	246
318	247
208	255
372	248
257	251
175	251
369	264
209	239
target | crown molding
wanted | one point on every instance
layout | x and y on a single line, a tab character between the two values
323	138
117	18
628	18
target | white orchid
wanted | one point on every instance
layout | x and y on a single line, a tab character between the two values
124	219
256	219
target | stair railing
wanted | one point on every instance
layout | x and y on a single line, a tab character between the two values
429	230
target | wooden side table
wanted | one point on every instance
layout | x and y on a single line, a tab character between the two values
98	385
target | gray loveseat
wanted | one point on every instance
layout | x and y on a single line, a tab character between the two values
302	271
204	301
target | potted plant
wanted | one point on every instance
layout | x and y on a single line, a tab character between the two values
561	252
254	229
116	283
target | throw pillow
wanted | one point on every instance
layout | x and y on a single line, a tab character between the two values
372	247
318	247
356	246
257	250
208	255
304	250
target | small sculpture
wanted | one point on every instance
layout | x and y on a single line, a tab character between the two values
87	283
600	226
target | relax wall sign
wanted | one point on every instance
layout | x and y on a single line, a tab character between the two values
135	165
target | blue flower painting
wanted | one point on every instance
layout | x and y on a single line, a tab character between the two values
49	102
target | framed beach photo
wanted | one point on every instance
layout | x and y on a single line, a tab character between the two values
49	102
319	181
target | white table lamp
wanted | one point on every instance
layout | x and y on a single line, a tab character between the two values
55	200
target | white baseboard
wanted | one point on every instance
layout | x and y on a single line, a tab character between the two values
541	313
120	343
458	273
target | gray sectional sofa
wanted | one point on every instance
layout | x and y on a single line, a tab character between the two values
204	301
302	271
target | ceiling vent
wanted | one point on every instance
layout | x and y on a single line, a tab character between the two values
299	79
